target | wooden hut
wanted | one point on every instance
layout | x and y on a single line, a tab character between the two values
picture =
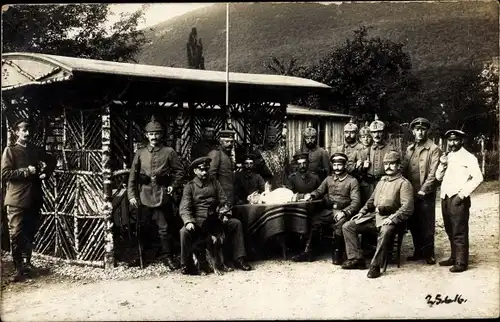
72	102
329	125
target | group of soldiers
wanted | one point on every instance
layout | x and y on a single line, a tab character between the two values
365	185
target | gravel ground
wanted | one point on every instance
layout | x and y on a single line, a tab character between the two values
276	289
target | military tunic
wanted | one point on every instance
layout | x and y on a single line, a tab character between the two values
245	184
420	167
222	169
318	161
349	150
393	199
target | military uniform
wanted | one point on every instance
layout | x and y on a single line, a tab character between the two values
318	157
222	168
245	184
153	170
198	196
421	162
393	199
24	195
302	183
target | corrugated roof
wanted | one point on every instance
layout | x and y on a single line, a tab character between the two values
300	110
73	65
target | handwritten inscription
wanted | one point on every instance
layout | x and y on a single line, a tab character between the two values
438	299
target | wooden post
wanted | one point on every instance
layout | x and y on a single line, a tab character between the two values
483	156
107	210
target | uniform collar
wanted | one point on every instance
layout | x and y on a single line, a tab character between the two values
379	146
306	149
154	149
338	178
387	178
427	145
351	145
198	182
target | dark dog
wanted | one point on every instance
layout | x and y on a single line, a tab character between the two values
211	252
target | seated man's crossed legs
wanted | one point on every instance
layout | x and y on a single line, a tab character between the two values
354	252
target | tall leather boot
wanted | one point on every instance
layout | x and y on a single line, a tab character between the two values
338	250
19	275
167	258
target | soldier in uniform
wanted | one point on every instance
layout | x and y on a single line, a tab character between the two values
247	181
341	203
365	137
421	162
303	181
155	173
24	166
318	157
359	158
222	167
460	175
350	146
206	144
390	204
198	196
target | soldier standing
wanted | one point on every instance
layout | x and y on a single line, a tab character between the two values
389	205
460	173
359	158
350	145
206	144
318	157
221	166
24	166
155	172
421	162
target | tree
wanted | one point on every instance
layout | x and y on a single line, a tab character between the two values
367	76
280	67
78	30
195	51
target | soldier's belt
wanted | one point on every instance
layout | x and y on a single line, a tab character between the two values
159	180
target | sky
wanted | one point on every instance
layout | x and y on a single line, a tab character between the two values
157	12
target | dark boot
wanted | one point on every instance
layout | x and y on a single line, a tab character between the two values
354	264
19	275
170	262
447	262
242	264
374	272
338	250
458	268
305	256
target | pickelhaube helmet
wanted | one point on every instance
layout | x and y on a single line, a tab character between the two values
377	125
350	126
153	125
365	130
310	131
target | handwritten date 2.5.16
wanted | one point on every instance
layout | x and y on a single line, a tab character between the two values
438	299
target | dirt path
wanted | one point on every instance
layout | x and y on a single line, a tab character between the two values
284	290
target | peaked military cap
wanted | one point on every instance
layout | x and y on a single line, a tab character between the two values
249	156
310	131
227	134
377	125
351	126
420	121
454	134
338	156
392	156
153	125
365	129
301	155
200	163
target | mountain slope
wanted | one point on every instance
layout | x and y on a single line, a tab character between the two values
436	34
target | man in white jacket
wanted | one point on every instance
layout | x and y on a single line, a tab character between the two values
460	173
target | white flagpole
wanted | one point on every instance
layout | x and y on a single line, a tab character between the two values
227	55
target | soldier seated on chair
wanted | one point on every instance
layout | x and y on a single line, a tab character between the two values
247	181
341	202
302	181
390	204
198	196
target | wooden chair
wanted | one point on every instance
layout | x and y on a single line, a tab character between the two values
397	242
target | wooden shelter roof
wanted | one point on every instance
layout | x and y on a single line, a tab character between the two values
300	110
26	70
